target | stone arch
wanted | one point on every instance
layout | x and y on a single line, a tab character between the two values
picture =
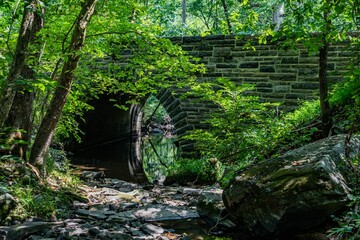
279	75
184	115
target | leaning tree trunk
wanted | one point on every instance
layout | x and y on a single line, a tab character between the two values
52	116
28	30
323	81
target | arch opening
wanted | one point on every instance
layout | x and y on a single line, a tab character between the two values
137	144
154	140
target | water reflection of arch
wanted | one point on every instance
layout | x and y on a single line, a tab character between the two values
135	163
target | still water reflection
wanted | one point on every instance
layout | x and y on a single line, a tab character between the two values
137	160
158	153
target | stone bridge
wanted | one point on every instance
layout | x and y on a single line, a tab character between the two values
279	75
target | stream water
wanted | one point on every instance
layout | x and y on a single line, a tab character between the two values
138	160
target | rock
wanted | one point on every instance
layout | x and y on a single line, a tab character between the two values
113	195
123	186
152	229
93	214
294	192
18	231
190	191
94	231
211	208
157	212
7	203
119	236
89	175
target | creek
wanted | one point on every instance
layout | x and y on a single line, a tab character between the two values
138	160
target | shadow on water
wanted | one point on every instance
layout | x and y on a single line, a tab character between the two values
134	160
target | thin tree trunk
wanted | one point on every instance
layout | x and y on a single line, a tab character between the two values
226	12
27	32
278	16
216	17
183	13
323	81
52	116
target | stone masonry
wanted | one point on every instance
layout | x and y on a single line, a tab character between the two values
279	75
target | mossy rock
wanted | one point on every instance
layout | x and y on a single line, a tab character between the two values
296	191
7	204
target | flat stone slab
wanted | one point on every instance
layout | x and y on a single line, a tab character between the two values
157	212
95	214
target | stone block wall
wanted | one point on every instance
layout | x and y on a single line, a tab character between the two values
279	75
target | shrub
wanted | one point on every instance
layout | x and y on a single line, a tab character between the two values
239	125
243	129
199	171
349	224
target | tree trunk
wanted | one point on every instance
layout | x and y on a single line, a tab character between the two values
183	13
323	82
19	117
52	116
278	16
28	29
226	13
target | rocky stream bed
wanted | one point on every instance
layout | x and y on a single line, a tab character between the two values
293	196
116	209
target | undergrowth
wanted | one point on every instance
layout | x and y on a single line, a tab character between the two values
244	130
34	196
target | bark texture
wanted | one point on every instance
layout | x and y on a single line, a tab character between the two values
19	117
52	116
28	29
183	12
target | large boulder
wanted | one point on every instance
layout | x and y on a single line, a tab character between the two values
296	191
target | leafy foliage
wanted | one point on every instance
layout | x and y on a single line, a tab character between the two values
243	129
195	171
209	17
238	128
349	224
34	204
158	154
36	198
